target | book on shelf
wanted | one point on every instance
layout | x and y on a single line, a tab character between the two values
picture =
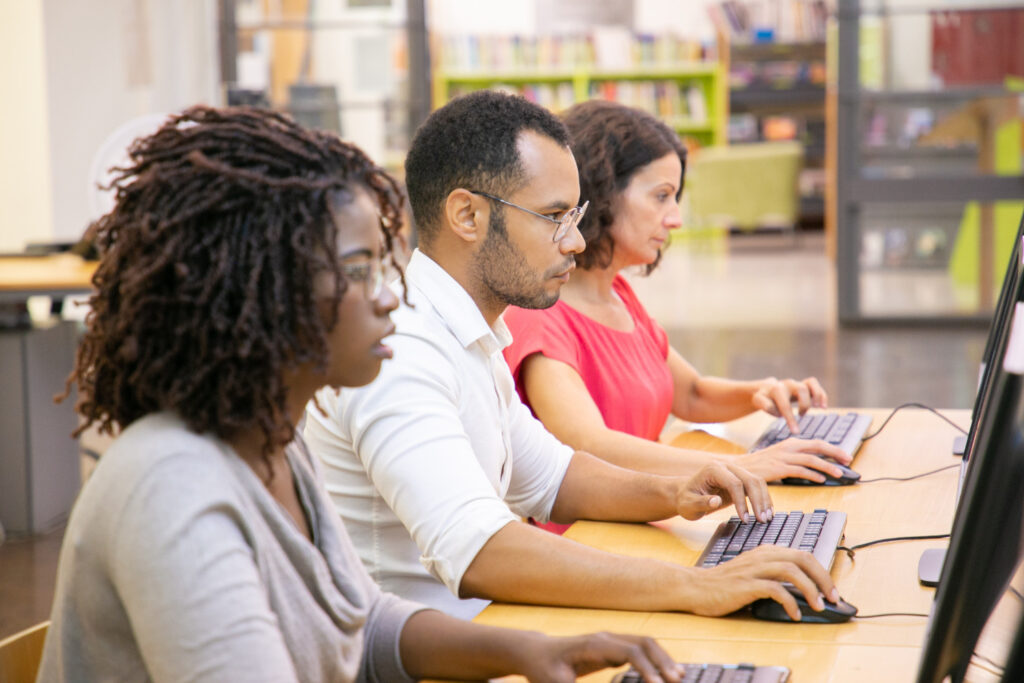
609	48
666	99
783	21
554	96
977	47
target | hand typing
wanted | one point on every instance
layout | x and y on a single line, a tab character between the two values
776	397
720	484
564	659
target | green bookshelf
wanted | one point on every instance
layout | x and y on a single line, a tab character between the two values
691	97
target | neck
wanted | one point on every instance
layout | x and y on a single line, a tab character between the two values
593	285
249	443
461	271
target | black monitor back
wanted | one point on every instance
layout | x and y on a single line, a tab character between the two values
986	541
1009	294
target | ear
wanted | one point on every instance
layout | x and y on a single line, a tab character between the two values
467	215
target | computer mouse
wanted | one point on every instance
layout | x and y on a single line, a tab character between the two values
848	477
769	610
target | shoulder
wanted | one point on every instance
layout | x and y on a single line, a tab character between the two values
158	466
621	286
151	484
553	332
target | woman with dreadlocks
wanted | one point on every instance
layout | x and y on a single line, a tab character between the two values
241	271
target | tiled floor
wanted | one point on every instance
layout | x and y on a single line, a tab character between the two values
734	309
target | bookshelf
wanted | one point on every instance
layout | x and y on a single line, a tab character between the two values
668	76
688	97
777	92
928	175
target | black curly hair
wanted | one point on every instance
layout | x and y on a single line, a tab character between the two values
471	142
204	293
611	142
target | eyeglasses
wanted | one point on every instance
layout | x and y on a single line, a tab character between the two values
370	273
569	220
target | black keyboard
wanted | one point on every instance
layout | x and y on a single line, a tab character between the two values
843	430
819	533
719	673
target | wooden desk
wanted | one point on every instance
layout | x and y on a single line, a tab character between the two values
56	275
880	579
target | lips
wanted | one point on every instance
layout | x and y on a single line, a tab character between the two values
381	349
565	273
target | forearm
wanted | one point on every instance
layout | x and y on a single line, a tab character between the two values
435	645
635	453
523	564
597	490
714	399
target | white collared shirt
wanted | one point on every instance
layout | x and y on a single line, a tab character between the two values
430	460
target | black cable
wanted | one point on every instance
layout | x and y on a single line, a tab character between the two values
851	549
999	669
916	476
890	614
1016	593
911	405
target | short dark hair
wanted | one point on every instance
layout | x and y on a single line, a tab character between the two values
204	293
611	142
471	142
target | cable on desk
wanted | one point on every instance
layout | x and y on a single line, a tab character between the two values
851	549
916	476
999	668
911	405
890	614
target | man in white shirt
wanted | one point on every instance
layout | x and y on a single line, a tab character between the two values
434	464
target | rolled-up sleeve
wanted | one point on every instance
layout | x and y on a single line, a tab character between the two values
407	431
541	462
382	659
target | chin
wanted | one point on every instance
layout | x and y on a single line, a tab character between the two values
359	376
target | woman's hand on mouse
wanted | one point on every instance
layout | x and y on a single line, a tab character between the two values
795	458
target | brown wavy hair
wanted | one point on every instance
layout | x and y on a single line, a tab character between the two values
204	293
611	142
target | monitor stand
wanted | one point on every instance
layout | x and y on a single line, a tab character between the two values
929	567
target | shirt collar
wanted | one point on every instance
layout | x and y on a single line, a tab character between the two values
454	305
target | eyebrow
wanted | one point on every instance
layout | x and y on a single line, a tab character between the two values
362	251
555	206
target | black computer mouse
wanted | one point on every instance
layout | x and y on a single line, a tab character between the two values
848	477
770	610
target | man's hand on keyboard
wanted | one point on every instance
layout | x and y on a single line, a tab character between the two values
760	573
795	458
719	484
777	396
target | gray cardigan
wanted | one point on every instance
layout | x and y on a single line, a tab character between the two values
177	564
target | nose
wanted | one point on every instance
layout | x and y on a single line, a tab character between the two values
674	217
386	301
572	242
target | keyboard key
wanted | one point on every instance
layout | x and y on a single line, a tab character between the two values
825	425
840	429
808	427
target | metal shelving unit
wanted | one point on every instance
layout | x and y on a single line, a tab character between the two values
891	197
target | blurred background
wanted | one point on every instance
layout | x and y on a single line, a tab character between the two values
853	188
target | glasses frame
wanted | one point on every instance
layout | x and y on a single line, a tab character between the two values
370	273
569	220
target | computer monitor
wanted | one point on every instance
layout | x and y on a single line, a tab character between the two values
1012	291
986	542
1008	296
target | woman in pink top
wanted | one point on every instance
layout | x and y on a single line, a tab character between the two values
595	368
